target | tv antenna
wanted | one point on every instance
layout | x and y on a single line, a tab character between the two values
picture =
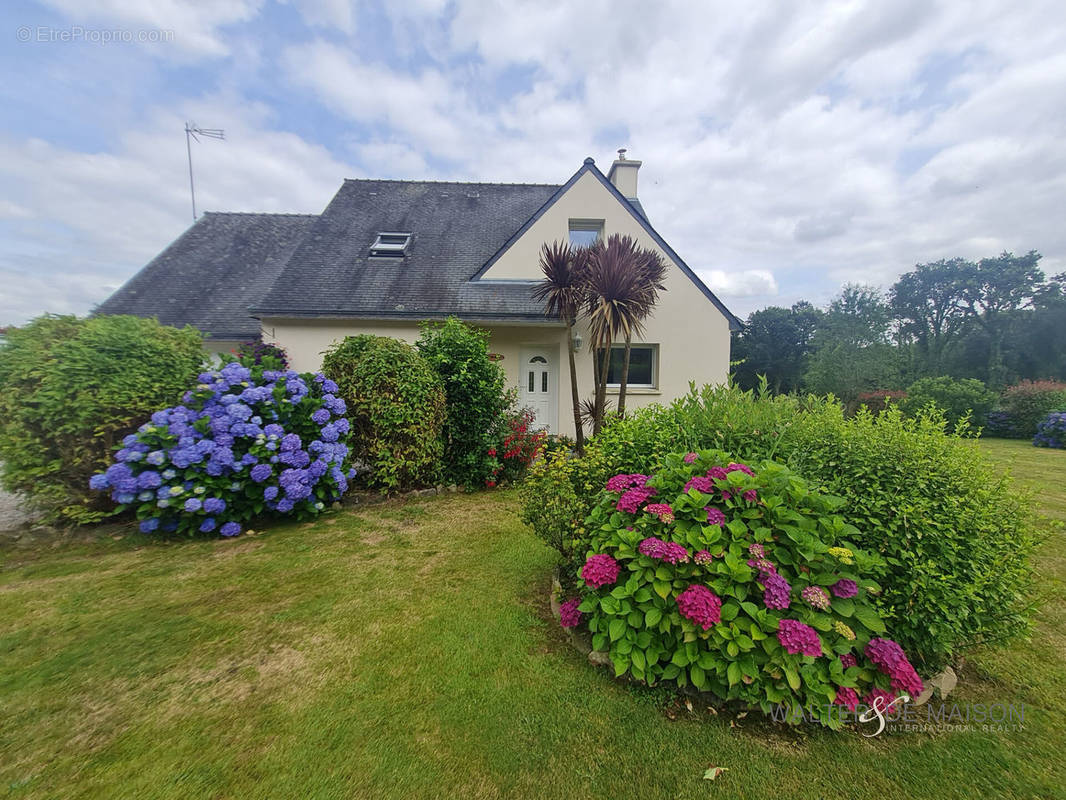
194	132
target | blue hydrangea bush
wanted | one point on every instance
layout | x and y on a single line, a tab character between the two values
1052	431
242	443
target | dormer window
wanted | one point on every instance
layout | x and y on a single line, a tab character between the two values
390	245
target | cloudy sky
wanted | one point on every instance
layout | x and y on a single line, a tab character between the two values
787	147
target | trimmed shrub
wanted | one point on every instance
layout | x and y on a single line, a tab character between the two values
738	582
476	399
396	407
240	444
70	389
1029	402
957	398
1052	431
954	534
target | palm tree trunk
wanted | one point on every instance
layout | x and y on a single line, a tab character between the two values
624	380
579	433
601	388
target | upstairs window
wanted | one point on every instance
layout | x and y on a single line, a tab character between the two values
391	245
585	232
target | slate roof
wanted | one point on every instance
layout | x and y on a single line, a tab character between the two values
456	227
209	276
228	268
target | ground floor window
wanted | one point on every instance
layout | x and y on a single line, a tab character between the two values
643	366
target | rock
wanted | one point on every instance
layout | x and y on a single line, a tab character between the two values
453	488
581	640
599	658
945	681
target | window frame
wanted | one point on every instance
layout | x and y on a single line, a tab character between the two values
586	225
390	249
654	347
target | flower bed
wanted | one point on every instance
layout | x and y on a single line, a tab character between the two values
738	582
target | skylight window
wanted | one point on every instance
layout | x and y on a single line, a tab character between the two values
391	245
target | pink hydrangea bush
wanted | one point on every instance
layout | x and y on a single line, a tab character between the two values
717	574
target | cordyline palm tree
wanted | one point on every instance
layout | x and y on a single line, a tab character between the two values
622	285
652	271
563	293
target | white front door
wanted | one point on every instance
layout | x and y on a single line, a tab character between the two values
537	389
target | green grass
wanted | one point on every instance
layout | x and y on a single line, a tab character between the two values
406	650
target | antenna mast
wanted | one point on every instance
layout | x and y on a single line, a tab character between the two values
193	132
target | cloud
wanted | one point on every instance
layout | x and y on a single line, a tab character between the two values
739	283
786	149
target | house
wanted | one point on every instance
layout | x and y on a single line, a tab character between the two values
386	255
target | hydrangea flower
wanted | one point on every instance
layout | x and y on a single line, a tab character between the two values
633	499
230	529
751	496
701	483
599	570
670	552
569	616
690	457
842	554
757	550
662	510
714	516
843	630
798	639
621	483
849	660
700	605
734	467
847	697
816	597
890	659
777	594
881	700
703	557
844	588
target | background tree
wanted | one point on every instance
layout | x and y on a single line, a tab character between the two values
993	290
852	349
928	304
776	342
564	292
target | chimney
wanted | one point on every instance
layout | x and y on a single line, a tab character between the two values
623	175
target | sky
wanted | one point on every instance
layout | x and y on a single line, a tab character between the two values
787	148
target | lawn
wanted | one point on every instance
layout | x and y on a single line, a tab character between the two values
406	650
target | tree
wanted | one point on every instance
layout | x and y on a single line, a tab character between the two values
620	296
563	292
775	343
852	350
652	271
928	304
993	290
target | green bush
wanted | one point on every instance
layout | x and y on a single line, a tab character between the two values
1028	403
955	536
740	583
476	397
956	397
396	407
71	389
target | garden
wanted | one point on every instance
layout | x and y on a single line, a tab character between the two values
261	599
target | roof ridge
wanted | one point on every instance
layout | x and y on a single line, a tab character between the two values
450	183
257	214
